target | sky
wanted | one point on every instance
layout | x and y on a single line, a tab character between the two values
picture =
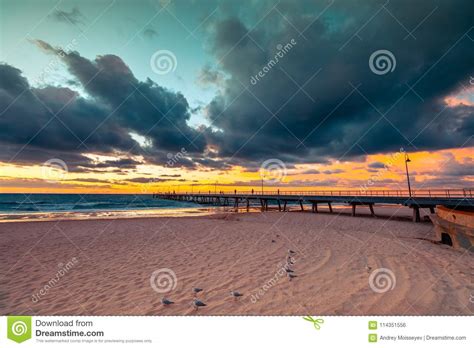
140	96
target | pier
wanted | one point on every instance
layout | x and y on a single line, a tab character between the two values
454	198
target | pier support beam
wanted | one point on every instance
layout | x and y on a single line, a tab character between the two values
416	214
432	210
279	205
284	206
371	206
330	207
314	207
248	204
301	205
353	209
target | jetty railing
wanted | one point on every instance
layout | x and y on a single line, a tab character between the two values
416	199
426	193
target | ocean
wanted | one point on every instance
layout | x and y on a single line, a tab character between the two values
52	206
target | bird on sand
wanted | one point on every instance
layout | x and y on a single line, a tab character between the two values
289	270
368	268
236	294
196	290
291	252
166	302
291	276
198	303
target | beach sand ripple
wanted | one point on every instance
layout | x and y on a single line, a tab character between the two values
335	257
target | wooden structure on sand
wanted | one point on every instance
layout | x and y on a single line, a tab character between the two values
454	227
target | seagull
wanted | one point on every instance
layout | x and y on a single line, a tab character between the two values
236	294
198	303
196	290
273	240
166	302
368	268
289	260
291	252
291	276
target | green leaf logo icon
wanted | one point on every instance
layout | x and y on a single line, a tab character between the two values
19	328
316	322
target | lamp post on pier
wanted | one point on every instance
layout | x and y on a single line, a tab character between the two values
407	159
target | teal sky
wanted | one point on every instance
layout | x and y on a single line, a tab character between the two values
112	27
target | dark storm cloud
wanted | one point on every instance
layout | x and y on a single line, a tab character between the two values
311	171
321	98
53	120
376	165
38	124
126	163
142	106
319	102
145	180
333	171
72	17
209	76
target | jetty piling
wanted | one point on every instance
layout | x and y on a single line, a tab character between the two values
461	198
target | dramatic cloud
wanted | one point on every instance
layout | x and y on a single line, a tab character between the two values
376	165
320	99
452	168
72	17
42	123
294	82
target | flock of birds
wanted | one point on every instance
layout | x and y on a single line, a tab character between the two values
196	302
235	294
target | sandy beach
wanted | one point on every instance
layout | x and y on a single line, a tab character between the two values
342	265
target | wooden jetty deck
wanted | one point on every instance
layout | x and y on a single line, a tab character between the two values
419	199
